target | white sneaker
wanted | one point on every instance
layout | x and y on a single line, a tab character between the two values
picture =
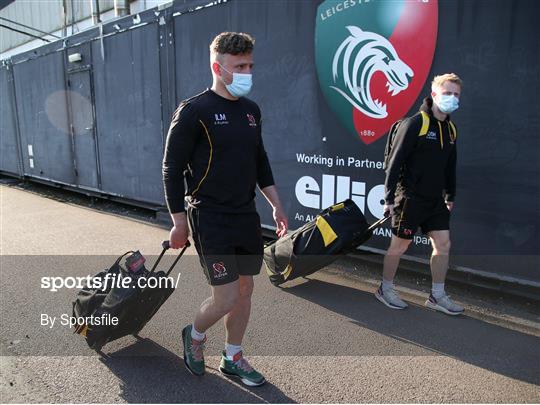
390	298
444	304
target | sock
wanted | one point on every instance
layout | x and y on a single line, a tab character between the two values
437	290
387	285
231	350
197	335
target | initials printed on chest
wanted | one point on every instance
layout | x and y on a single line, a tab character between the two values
220	119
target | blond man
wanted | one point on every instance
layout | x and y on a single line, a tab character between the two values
420	187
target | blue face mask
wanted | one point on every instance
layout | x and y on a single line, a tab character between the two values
447	103
241	84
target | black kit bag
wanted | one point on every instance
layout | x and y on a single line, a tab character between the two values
339	229
131	305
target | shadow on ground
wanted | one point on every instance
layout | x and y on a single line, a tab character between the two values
152	374
491	347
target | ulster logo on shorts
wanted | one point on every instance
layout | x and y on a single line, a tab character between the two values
220	270
407	232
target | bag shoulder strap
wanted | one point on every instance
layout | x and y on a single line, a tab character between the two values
425	123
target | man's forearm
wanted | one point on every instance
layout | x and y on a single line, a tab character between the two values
178	218
271	195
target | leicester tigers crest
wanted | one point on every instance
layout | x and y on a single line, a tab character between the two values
373	58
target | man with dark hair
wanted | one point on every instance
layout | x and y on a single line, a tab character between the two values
420	188
215	144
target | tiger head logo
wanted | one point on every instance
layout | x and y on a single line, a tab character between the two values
357	59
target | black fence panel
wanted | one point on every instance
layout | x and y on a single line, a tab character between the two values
128	114
81	112
41	102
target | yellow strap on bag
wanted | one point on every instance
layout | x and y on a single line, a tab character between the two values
326	231
337	207
287	272
425	126
425	123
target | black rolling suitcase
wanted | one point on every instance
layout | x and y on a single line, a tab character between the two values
106	298
338	229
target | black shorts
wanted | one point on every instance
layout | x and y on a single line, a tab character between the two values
411	213
229	245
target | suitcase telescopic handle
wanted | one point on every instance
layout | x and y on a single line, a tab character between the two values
378	223
166	245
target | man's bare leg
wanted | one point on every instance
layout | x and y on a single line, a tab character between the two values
233	363
438	299
222	301
212	309
398	246
237	319
386	293
440	240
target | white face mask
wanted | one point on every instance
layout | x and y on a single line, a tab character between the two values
448	103
241	83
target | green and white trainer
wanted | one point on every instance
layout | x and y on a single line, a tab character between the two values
193	352
239	367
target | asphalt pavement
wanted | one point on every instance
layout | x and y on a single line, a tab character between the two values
323	339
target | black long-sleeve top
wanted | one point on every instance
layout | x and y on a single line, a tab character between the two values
215	146
422	166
